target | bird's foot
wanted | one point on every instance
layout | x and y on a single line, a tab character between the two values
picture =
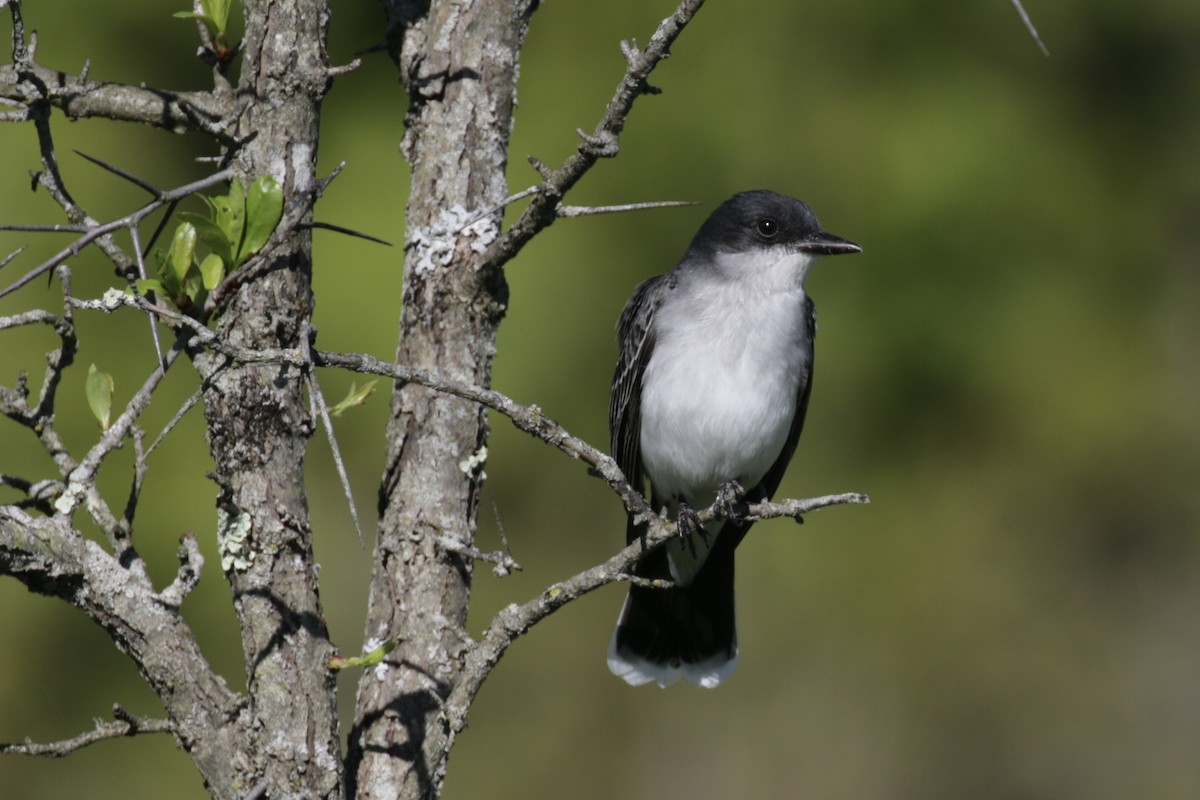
729	495
688	523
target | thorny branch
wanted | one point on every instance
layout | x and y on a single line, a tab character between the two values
33	87
603	142
96	230
125	724
514	621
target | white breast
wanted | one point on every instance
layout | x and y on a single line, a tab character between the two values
719	392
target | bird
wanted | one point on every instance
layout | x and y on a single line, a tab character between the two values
708	401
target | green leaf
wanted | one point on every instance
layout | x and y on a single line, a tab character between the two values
229	213
193	287
210	234
369	660
145	285
355	397
212	270
218	11
182	252
99	389
169	282
264	208
213	29
213	13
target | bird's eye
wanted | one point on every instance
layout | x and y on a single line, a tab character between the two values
767	227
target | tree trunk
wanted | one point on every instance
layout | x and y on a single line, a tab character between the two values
459	62
259	424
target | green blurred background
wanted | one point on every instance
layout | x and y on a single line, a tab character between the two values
1010	370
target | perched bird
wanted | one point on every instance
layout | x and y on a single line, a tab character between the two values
708	401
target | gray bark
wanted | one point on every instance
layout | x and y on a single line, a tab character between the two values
259	424
460	66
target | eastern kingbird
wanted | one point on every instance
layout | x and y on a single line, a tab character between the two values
708	401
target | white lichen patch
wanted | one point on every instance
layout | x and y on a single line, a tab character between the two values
112	299
233	534
435	246
474	463
68	500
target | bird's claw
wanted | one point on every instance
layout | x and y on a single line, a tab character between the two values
729	494
688	523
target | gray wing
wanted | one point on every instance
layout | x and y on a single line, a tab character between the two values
635	338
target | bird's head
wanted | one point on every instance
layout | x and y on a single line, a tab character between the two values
763	236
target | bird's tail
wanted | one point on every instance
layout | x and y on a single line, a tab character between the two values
687	631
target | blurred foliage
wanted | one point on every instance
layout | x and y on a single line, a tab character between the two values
1010	370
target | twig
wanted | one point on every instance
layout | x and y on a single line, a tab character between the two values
127	221
141	267
188	576
1029	27
603	142
126	724
503	560
125	526
529	419
314	391
187	406
329	226
585	211
81	98
121	173
501	570
81	480
515	620
4	263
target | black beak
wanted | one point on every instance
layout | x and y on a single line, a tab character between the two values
826	244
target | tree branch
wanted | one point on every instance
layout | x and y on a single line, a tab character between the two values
130	220
603	142
51	558
514	621
126	724
30	85
81	98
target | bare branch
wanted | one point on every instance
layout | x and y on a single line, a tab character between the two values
502	559
602	143
127	221
14	403
81	480
80	98
126	724
529	419
586	211
1029	27
50	557
4	263
153	190
186	407
515	620
190	564
795	509
318	397
136	239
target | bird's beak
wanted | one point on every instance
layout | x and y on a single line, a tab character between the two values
826	244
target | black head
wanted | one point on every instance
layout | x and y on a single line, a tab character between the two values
762	220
